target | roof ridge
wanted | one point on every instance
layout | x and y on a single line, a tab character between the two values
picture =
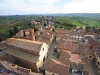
57	63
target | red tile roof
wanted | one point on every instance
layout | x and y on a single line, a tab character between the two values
68	56
22	55
57	67
46	37
84	49
25	44
64	58
68	45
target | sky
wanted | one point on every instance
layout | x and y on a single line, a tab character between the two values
22	7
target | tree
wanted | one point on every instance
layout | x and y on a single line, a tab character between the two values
16	29
35	29
88	29
0	39
11	32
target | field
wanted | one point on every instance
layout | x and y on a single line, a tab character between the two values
8	22
78	21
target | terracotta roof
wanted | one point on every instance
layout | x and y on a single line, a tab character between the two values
64	58
70	56
25	44
92	41
17	69
22	55
20	33
75	46
75	58
57	30
60	43
46	37
62	36
68	44
84	49
57	67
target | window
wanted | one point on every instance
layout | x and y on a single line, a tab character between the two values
52	74
43	49
90	56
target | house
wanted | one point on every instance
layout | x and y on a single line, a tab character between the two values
67	44
46	37
87	68
20	33
85	51
31	54
96	50
26	34
49	27
61	36
78	64
64	58
39	27
9	68
55	67
60	31
77	35
72	60
90	41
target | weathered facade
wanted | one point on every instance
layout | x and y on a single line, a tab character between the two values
30	54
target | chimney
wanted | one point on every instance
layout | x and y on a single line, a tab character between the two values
24	34
32	34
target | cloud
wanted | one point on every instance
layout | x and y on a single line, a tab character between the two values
85	6
48	6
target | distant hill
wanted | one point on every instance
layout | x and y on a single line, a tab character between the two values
93	15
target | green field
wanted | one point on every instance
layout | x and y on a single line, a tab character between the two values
7	23
78	21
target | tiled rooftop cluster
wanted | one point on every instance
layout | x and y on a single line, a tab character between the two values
75	49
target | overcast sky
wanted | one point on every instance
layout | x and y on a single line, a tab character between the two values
16	7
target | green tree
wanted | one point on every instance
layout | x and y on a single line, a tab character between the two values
0	39
16	29
35	29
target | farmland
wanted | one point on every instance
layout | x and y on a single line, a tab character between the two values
65	22
78	21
